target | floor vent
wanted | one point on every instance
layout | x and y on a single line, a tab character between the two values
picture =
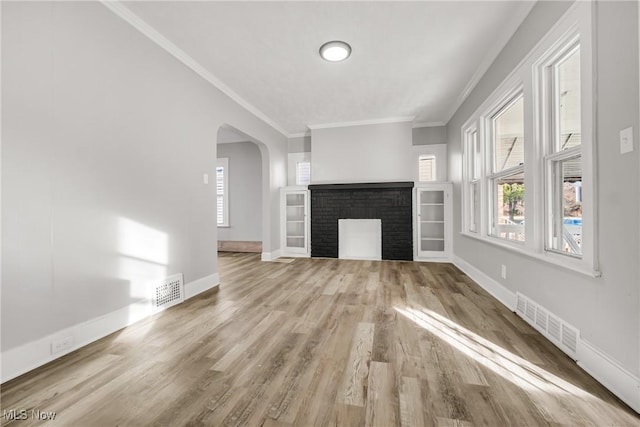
563	335
169	292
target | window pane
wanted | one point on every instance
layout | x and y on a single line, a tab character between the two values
509	207
476	158
220	210
568	101
475	206
508	136
220	199
219	180
567	211
427	168
303	173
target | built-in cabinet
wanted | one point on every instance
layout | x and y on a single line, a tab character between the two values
432	221
295	221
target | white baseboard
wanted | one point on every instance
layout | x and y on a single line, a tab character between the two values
294	255
196	287
446	259
609	373
22	359
270	256
502	294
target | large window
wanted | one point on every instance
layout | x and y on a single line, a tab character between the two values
507	178
222	192
564	153
529	145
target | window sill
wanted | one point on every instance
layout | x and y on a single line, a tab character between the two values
224	226
571	264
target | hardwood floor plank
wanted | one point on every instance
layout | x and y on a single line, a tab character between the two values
411	412
263	327
322	342
352	391
382	398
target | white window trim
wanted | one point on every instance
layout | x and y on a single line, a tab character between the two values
491	175
224	162
576	30
469	162
439	151
550	194
577	20
292	161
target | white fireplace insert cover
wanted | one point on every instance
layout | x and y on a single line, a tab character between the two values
360	239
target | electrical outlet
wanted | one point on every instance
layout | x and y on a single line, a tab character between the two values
62	344
503	273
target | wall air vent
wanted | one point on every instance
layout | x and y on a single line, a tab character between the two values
541	318
530	313
521	304
556	330
169	292
569	337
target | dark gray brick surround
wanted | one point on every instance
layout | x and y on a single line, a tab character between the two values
388	201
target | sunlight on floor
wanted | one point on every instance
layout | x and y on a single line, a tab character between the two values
515	369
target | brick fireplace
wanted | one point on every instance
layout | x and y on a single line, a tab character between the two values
391	202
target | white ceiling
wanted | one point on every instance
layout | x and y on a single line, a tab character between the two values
409	58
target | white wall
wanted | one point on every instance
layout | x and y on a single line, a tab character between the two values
245	192
105	141
606	310
300	144
364	153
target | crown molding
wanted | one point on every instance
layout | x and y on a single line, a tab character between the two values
510	28
154	35
362	123
429	124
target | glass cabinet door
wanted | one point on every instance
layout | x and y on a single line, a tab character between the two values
432	221
295	220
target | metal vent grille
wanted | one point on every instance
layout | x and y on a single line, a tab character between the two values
169	292
541	318
521	304
554	328
531	311
569	338
559	332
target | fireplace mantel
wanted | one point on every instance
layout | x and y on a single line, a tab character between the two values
361	185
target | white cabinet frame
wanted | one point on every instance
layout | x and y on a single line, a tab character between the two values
432	222
295	226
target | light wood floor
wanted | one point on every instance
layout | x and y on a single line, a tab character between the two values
323	342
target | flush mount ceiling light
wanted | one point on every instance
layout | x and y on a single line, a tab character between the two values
335	51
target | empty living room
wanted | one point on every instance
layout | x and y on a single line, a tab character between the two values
320	213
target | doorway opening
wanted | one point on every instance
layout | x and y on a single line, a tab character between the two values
239	184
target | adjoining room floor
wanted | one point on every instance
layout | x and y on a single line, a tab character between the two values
317	342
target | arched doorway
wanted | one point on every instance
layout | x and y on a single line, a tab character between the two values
242	192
